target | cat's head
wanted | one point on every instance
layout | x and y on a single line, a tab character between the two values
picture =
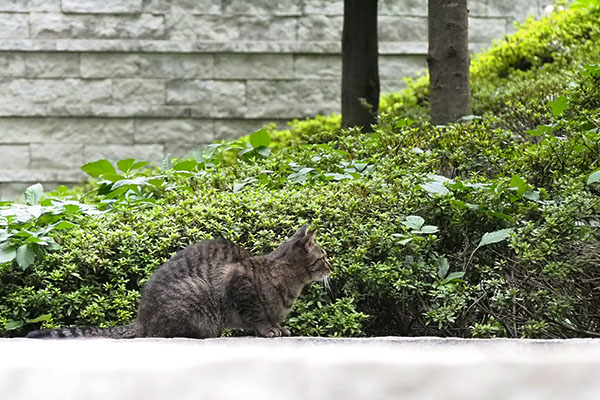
303	253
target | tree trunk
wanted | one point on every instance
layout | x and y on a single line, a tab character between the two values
448	60
360	71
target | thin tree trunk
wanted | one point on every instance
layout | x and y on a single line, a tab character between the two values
360	71
448	60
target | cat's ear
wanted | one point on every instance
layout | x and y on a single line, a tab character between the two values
308	240
300	233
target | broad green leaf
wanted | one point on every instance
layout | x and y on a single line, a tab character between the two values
64	225
559	105
263	151
12	325
414	222
443	267
4	235
453	277
435	187
594	177
519	184
125	165
25	256
188	165
98	168
41	318
7	254
260	138
428	229
494	237
33	194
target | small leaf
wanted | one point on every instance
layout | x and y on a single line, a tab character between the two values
188	165
125	165
25	256
594	177
435	187
559	105
64	225
33	194
98	168
260	138
428	229
494	237
519	184
263	151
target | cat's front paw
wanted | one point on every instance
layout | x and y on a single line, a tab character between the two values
269	332
285	331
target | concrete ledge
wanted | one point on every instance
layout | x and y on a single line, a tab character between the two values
300	368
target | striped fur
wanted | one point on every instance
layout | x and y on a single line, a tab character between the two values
215	284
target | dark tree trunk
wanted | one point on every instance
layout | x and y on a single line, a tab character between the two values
448	60
360	71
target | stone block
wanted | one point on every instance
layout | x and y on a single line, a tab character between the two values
228	129
173	131
312	66
230	28
517	9
254	66
52	65
402	29
70	26
114	152
102	7
392	86
55	91
56	155
14	26
292	99
138	91
485	30
320	27
14	156
256	7
210	98
24	6
182	6
66	130
412	8
183	150
146	65
324	7
12	64
398	67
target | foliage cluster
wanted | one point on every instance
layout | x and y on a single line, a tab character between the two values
485	228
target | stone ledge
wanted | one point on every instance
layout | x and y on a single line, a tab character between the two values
189	46
42	175
300	368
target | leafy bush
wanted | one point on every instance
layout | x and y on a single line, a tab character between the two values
484	228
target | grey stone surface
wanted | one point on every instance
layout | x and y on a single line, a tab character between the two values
12	64
52	65
114	152
254	66
211	98
402	29
173	131
182	6
397	67
138	91
55	91
66	130
24	6
14	26
102	7
269	7
405	7
312	66
300	368
57	155
320	28
146	65
14	156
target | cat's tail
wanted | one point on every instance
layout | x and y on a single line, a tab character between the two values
116	332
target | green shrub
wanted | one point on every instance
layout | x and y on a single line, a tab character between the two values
484	228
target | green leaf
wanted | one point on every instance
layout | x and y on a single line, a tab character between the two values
7	254
494	237
414	222
12	325
33	194
98	168
41	318
594	177
559	105
125	165
436	186
519	184
188	165
64	225
428	229
263	151
25	256
260	138
443	267
453	277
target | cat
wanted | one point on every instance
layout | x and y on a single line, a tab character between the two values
215	285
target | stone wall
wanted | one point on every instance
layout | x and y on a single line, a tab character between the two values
87	79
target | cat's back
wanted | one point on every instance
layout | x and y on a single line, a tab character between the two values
201	259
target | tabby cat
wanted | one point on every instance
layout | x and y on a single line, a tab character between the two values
215	285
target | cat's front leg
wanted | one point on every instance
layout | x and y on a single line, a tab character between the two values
269	331
284	331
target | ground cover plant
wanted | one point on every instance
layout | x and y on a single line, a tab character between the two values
485	228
